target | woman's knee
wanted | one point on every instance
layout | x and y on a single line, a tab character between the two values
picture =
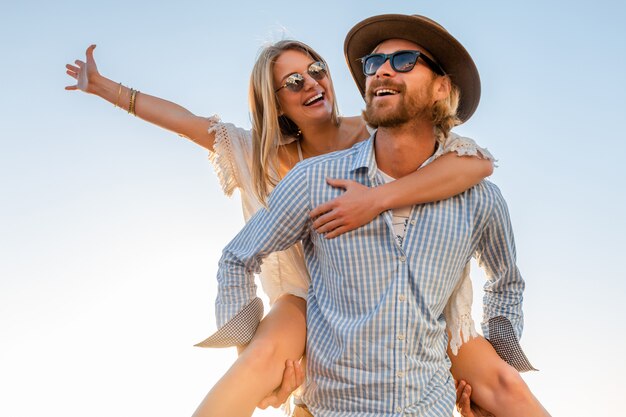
261	354
510	386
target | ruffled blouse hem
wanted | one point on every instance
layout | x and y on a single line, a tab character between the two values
462	331
221	157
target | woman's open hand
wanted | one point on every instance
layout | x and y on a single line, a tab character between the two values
354	208
83	72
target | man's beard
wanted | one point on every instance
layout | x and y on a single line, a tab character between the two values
411	107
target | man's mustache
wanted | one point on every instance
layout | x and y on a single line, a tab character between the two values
381	83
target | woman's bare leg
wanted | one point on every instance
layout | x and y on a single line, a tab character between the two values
259	368
496	386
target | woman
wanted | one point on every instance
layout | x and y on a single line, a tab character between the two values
295	116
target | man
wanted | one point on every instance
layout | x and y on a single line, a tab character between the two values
376	343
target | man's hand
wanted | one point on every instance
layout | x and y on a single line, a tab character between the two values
293	377
464	403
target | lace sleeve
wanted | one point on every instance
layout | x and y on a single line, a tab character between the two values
464	147
232	154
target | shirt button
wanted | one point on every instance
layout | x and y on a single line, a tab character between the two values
398	409
400	374
401	336
401	297
403	259
413	222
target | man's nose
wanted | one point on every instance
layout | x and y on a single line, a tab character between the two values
385	70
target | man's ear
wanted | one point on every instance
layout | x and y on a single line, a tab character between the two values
442	87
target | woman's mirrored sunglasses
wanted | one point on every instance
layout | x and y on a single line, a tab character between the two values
401	61
295	82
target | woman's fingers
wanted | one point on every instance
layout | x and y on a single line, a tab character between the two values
337	232
82	71
320	210
338	182
89	52
329	226
328	206
73	75
324	219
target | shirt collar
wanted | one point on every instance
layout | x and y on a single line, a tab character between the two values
366	157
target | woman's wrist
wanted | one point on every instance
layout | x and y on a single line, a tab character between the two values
380	199
102	86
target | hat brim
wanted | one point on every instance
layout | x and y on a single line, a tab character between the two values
444	48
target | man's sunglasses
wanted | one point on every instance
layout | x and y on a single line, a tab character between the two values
401	61
295	82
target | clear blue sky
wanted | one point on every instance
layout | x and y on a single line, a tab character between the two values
110	229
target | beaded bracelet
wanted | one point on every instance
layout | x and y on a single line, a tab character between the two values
131	106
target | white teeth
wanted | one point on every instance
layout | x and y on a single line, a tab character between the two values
385	91
312	99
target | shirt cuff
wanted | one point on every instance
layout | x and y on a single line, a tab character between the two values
503	339
239	330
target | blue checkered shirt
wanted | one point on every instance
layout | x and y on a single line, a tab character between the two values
376	342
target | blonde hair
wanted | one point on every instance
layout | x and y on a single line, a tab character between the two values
444	113
269	128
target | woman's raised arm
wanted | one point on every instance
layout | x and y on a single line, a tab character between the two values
152	109
445	177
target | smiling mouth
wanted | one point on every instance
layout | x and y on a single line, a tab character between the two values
385	92
314	99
